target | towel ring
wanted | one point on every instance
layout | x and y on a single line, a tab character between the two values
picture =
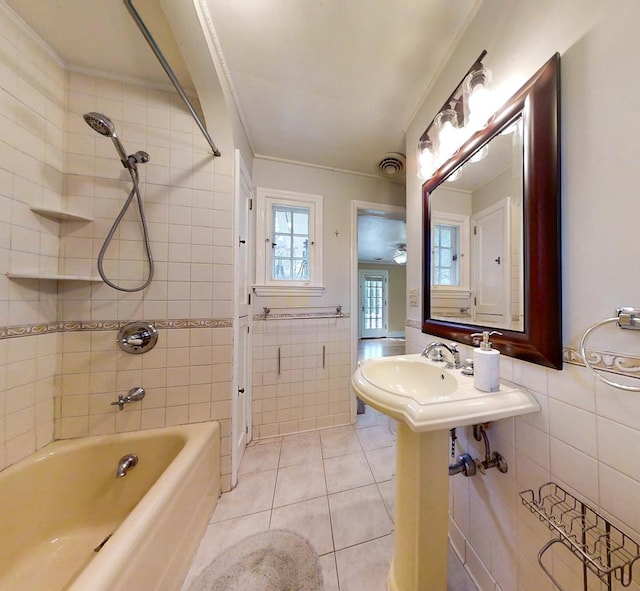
583	353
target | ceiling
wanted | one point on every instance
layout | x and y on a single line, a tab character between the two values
331	83
379	236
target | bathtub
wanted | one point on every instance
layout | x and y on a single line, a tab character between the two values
60	505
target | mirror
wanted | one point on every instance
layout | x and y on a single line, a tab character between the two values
506	275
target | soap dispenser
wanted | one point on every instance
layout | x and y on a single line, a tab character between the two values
486	363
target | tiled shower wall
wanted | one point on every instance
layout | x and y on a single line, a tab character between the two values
188	201
32	102
305	389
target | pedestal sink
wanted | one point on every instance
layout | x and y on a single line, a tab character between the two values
427	400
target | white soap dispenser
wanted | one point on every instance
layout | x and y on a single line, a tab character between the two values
486	364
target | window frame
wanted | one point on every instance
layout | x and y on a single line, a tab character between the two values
463	224
265	285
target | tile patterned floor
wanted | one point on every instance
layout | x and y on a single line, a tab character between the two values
336	488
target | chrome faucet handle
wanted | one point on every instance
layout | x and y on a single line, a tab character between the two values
120	402
133	395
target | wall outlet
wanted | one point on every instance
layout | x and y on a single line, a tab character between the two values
413	297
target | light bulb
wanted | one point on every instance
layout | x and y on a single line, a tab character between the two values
449	139
479	100
426	159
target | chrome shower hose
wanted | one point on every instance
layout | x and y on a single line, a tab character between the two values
135	192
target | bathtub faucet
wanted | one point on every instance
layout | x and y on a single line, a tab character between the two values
125	464
133	395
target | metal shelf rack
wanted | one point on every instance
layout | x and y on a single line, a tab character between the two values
604	550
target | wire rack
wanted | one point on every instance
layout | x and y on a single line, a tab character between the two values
603	549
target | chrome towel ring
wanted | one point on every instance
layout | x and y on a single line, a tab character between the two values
627	318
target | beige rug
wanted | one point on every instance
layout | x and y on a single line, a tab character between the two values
276	560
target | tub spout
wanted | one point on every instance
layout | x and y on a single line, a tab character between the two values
125	464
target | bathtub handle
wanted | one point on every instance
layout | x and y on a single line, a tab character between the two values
133	395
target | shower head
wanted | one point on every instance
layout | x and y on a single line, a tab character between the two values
104	126
100	123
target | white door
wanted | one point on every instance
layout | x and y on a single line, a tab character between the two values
241	383
491	263
373	304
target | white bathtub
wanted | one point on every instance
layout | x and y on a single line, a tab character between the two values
62	502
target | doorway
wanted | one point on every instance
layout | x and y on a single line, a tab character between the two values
378	234
374	304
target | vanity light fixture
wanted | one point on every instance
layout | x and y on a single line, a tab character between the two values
466	111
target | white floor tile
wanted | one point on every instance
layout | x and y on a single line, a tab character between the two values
382	462
310	519
365	566
258	458
345	472
340	441
302	448
357	516
299	483
329	572
377	436
388	492
254	493
370	418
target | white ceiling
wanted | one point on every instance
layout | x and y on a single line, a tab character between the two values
333	83
379	236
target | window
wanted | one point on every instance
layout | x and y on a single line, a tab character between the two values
446	254
289	243
449	254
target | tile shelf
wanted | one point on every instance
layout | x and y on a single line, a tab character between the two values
51	276
58	215
61	215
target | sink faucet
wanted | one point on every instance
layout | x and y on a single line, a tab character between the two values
450	351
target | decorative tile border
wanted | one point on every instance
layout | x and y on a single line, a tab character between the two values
27	330
618	363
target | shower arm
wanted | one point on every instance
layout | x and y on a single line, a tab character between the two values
167	68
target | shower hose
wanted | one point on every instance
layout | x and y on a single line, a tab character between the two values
135	192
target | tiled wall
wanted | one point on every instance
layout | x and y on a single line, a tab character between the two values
32	95
50	158
304	395
584	439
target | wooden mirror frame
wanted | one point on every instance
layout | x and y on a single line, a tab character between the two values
541	341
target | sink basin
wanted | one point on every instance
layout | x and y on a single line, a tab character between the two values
428	397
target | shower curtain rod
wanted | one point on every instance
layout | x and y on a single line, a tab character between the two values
167	68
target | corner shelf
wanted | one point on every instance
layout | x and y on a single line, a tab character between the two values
52	276
60	215
601	547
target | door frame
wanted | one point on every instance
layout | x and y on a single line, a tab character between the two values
364	207
241	385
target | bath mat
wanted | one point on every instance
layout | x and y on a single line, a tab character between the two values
276	560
